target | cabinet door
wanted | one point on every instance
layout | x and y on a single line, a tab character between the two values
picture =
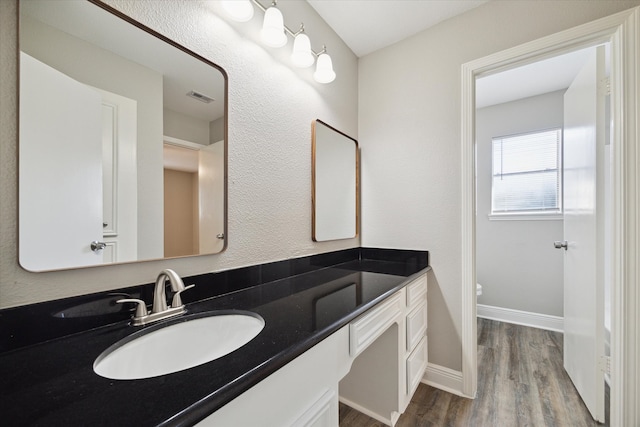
320	413
416	365
416	326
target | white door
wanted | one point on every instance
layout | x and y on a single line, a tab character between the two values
120	177
60	169
211	198
583	233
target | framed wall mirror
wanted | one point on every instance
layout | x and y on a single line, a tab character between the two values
335	181
122	141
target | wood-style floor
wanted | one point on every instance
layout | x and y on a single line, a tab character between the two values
521	382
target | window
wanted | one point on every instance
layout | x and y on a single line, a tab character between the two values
527	173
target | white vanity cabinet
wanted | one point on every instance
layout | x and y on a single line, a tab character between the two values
303	393
416	353
388	345
374	365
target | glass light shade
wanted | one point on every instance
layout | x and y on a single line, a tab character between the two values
273	28
301	55
239	10
324	69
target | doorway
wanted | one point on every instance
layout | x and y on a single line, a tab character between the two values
527	149
621	31
180	213
194	185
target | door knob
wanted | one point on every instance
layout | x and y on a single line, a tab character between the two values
97	246
560	244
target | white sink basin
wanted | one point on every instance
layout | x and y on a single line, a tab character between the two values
175	347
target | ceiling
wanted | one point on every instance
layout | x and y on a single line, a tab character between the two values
370	25
548	75
181	73
367	25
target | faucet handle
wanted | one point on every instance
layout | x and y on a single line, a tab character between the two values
141	308
177	300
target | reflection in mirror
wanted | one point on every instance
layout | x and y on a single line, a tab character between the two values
122	151
328	308
335	183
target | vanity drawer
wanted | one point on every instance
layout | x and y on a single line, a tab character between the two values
416	325
416	291
416	365
364	330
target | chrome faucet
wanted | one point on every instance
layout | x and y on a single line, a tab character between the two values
159	309
159	293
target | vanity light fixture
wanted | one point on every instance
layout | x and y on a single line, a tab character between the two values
273	27
240	10
274	34
301	55
324	68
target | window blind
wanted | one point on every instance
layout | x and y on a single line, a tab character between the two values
527	173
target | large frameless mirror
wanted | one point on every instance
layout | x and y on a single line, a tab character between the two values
335	183
122	150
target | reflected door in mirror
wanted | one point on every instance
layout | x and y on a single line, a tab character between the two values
60	169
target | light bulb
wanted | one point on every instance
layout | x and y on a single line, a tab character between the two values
273	28
324	69
301	55
239	10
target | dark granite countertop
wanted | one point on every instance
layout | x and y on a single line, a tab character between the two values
53	383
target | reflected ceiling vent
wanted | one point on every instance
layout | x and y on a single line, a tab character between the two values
200	97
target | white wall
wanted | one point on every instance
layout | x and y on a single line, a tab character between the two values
188	128
271	107
409	128
216	131
516	262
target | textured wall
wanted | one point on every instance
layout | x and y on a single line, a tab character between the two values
509	253
409	127
271	107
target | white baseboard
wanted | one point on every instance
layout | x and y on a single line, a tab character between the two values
444	379
369	413
525	318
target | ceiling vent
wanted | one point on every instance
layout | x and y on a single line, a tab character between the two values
200	97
